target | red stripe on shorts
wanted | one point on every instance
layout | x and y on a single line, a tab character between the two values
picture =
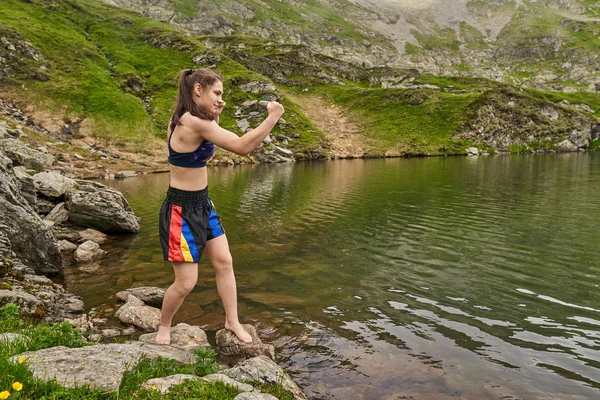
175	253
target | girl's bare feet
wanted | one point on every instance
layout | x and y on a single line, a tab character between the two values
163	336
239	331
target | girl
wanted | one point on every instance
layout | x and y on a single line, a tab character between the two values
189	224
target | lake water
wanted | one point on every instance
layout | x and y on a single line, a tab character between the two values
436	278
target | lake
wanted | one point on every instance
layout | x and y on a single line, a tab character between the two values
436	278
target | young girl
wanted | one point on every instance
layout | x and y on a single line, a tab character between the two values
189	224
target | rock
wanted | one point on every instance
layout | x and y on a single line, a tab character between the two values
58	215
473	151
125	174
264	370
13	337
128	331
53	184
26	185
183	336
101	366
63	232
566	145
148	294
21	154
93	235
37	279
66	247
230	345
110	333
30	305
134	312
243	125
100	207
43	205
29	238
164	384
258	87
88	251
254	396
242	387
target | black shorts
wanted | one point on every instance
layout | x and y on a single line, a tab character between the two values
187	221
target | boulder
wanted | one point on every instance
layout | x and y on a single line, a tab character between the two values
53	184
229	344
134	312
98	206
184	336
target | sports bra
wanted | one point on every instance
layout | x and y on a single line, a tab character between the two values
195	159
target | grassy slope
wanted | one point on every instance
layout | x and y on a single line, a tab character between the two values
93	50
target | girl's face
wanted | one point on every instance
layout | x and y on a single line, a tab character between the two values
210	98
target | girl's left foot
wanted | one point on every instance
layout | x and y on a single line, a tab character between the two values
239	331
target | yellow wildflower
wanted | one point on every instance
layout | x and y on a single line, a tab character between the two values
4	395
22	360
17	386
153	387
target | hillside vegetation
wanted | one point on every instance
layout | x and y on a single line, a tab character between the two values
85	69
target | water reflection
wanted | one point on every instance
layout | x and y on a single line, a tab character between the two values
435	278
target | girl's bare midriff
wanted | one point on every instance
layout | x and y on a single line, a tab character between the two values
188	178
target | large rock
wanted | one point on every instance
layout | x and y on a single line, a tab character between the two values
30	239
134	312
20	154
230	345
264	370
148	294
53	184
184	336
98	206
101	366
26	185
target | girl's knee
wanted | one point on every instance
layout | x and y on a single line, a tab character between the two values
223	263
184	287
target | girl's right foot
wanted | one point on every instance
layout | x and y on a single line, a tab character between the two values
163	336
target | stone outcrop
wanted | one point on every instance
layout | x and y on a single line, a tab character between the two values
30	239
100	366
508	121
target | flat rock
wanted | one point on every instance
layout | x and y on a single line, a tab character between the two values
101	366
183	336
148	294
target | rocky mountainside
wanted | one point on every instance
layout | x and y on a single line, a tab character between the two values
544	44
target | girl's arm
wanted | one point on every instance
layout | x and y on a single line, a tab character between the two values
242	145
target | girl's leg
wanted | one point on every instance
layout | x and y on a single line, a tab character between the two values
186	275
217	251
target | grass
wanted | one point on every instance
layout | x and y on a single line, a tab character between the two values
41	336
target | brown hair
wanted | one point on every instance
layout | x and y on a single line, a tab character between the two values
185	102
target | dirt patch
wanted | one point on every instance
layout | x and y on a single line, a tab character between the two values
346	138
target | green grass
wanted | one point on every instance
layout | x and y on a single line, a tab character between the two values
41	336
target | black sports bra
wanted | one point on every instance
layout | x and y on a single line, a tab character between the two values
195	159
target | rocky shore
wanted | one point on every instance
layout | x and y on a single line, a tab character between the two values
47	214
